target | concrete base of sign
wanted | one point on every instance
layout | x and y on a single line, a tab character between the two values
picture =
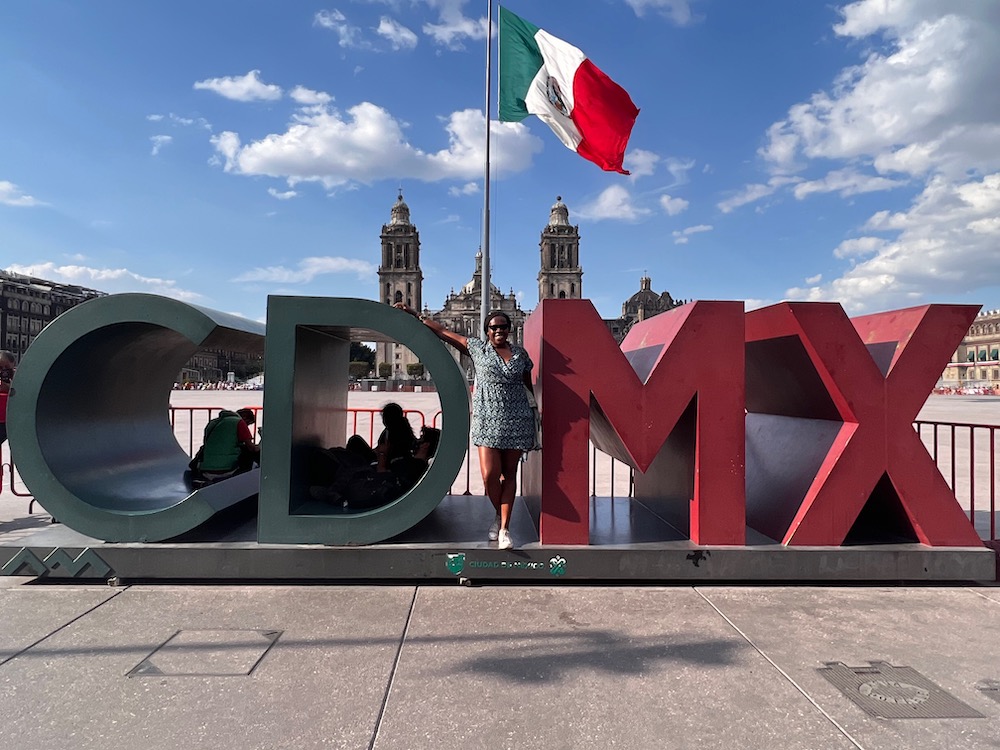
628	543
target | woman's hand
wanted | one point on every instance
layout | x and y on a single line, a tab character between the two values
407	309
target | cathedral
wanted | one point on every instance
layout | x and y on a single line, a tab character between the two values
560	276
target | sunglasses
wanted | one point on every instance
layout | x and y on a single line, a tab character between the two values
499	328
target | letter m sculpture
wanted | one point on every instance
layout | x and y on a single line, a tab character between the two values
669	402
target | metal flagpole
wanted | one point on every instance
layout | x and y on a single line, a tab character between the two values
486	178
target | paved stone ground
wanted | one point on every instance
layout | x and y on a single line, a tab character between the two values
412	667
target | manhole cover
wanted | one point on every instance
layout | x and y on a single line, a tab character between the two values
207	653
890	692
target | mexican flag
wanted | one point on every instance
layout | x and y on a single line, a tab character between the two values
544	76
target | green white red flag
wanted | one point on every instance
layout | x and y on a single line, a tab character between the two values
544	76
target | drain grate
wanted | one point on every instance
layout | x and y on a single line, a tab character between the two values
207	653
890	692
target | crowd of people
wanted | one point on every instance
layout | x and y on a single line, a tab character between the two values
968	390
220	385
360	477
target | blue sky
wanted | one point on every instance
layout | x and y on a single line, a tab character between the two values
219	151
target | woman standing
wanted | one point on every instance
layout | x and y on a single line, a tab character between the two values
503	426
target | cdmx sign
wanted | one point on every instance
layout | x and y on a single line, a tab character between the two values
794	420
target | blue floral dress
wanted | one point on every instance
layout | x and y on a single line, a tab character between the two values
501	416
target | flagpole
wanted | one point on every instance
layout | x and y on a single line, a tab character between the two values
486	178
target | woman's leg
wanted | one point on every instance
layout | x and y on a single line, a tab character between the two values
490	466
509	460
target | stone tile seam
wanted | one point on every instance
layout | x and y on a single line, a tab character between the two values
392	670
991	600
781	671
62	627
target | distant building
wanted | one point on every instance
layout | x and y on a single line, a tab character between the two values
462	311
560	276
642	305
976	362
29	304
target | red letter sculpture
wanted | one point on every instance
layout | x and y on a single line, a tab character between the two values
669	401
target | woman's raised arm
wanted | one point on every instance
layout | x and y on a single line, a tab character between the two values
456	340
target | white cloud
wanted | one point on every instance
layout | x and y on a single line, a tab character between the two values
815	279
454	27
614	202
308	97
308	269
113	280
679	169
159	141
368	144
846	182
753	304
676	11
755	192
349	37
856	248
281	196
246	88
640	163
175	119
469	188
11	195
945	243
673	206
681	237
398	35
922	101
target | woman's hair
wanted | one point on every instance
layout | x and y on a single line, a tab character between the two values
392	413
495	314
432	436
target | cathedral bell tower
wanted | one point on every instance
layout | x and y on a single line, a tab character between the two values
399	279
399	276
561	276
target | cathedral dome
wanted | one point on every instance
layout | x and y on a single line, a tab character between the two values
400	212
559	214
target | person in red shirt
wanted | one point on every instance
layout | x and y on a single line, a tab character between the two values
7	366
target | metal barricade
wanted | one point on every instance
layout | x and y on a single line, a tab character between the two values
964	453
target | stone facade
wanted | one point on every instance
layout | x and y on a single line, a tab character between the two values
976	362
560	276
29	304
643	304
400	280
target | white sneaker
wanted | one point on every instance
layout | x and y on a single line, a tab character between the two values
503	539
494	530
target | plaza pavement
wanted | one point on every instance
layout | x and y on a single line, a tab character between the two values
503	666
